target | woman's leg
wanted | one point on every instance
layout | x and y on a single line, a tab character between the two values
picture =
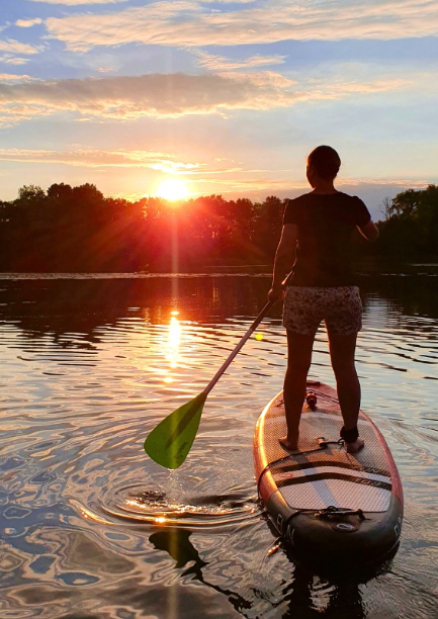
299	349
342	349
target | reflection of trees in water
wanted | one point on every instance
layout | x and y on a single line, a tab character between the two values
307	595
58	307
411	294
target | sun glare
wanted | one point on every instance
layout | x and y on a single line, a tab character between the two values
173	189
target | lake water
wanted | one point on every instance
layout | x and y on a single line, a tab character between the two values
92	528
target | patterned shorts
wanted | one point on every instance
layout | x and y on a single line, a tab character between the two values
305	307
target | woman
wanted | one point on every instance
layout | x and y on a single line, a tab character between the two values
317	227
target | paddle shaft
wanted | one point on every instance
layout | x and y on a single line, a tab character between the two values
239	346
170	442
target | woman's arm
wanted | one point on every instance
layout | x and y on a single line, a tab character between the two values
284	257
369	231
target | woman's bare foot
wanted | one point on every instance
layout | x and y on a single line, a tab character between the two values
287	444
353	448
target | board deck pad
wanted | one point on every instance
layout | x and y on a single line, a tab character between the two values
329	477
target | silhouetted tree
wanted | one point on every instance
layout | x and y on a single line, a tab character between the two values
411	225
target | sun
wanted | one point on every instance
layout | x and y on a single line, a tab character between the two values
173	189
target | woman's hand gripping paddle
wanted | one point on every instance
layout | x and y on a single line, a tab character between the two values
170	441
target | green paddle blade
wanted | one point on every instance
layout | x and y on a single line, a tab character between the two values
170	442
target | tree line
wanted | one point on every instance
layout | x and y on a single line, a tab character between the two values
78	229
410	228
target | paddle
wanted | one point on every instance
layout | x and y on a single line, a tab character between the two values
170	441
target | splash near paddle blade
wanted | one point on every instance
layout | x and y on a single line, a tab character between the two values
170	441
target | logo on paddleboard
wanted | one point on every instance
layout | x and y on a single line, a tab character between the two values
346	526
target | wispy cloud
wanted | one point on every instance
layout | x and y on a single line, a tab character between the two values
77	2
259	186
169	163
14	60
228	1
12	52
93	158
13	114
13	78
28	23
220	63
193	24
149	95
395	182
205	177
172	95
16	47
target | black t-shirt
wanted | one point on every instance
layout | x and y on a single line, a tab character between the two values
325	225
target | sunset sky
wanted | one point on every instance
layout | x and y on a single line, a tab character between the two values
228	96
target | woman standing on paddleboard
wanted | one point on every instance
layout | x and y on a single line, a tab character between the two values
317	227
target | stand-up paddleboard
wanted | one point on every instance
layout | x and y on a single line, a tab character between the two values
331	506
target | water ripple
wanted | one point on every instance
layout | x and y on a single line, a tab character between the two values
90	525
133	503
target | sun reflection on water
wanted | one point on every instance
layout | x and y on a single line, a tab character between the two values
174	340
160	520
173	345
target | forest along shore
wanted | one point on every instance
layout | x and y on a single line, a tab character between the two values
78	229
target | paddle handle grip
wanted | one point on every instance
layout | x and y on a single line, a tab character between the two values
240	345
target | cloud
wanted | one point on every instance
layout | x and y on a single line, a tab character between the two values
15	60
16	47
173	95
13	114
149	95
77	2
93	158
378	182
210	177
11	77
11	48
228	1
340	88
258	183
192	24
219	63
28	23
